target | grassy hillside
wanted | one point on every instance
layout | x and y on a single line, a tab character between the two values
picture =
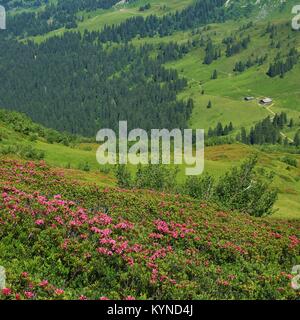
228	91
79	161
63	240
69	231
96	20
264	10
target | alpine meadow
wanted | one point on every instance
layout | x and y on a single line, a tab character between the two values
194	106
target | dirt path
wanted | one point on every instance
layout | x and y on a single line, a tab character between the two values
274	114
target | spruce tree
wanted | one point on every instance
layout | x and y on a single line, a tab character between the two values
244	138
214	75
297	139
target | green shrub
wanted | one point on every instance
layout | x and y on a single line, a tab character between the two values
3	135
105	169
156	177
33	137
200	187
84	166
28	152
290	161
23	151
123	176
244	190
22	124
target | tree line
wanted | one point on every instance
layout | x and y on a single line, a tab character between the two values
281	67
268	131
200	13
241	66
220	130
234	46
65	13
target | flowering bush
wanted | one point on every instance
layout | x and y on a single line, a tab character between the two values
63	240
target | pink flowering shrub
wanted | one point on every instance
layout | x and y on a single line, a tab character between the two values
64	240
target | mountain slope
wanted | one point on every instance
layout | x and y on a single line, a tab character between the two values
76	157
76	242
226	93
55	98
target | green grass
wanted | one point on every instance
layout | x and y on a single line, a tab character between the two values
96	20
218	160
228	91
287	179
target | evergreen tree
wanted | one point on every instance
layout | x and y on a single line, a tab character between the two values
244	138
265	131
280	67
214	75
219	129
297	139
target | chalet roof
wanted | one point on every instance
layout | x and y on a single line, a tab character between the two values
266	100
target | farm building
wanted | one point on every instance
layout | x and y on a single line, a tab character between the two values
249	98
266	101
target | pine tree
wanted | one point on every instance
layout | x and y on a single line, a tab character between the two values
297	139
219	129
210	132
226	130
244	138
214	75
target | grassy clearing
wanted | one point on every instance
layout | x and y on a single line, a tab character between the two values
96	20
228	91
